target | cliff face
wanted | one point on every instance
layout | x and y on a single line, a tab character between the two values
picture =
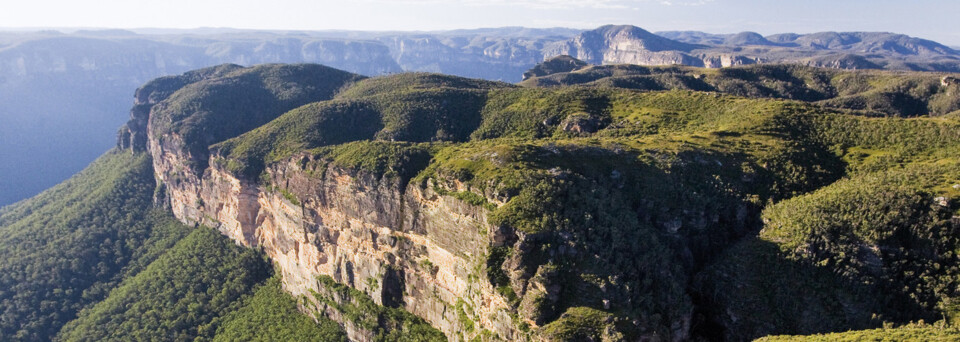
357	244
454	230
632	45
400	245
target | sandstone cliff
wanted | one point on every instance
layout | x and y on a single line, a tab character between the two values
494	239
633	45
483	210
399	244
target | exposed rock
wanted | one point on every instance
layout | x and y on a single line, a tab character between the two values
371	233
725	60
580	123
554	65
947	81
845	50
845	61
624	44
942	201
542	293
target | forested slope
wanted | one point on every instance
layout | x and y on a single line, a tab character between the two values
94	257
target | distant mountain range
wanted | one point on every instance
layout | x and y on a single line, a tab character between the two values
63	94
845	50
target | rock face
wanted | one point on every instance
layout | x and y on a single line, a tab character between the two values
401	245
844	50
350	239
846	61
625	45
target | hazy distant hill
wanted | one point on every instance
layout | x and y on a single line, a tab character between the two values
850	50
856	42
62	95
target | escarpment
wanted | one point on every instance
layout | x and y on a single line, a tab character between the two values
466	209
414	232
403	245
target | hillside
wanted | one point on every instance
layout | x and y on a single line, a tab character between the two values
873	93
613	203
95	250
605	203
62	94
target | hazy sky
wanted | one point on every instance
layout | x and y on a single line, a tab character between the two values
931	19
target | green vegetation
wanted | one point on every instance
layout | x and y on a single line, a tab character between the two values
620	212
317	124
414	81
68	247
917	332
390	159
534	113
178	297
388	324
883	242
415	116
874	92
580	324
224	105
468	197
290	197
91	260
271	315
465	322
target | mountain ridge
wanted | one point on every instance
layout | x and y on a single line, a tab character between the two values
82	79
520	165
605	203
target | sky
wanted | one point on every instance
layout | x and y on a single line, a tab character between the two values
930	19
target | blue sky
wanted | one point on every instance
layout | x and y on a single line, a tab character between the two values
931	19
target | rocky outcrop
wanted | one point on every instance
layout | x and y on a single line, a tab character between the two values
846	61
725	60
947	81
623	45
554	65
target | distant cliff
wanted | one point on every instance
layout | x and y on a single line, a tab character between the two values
61	96
844	50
